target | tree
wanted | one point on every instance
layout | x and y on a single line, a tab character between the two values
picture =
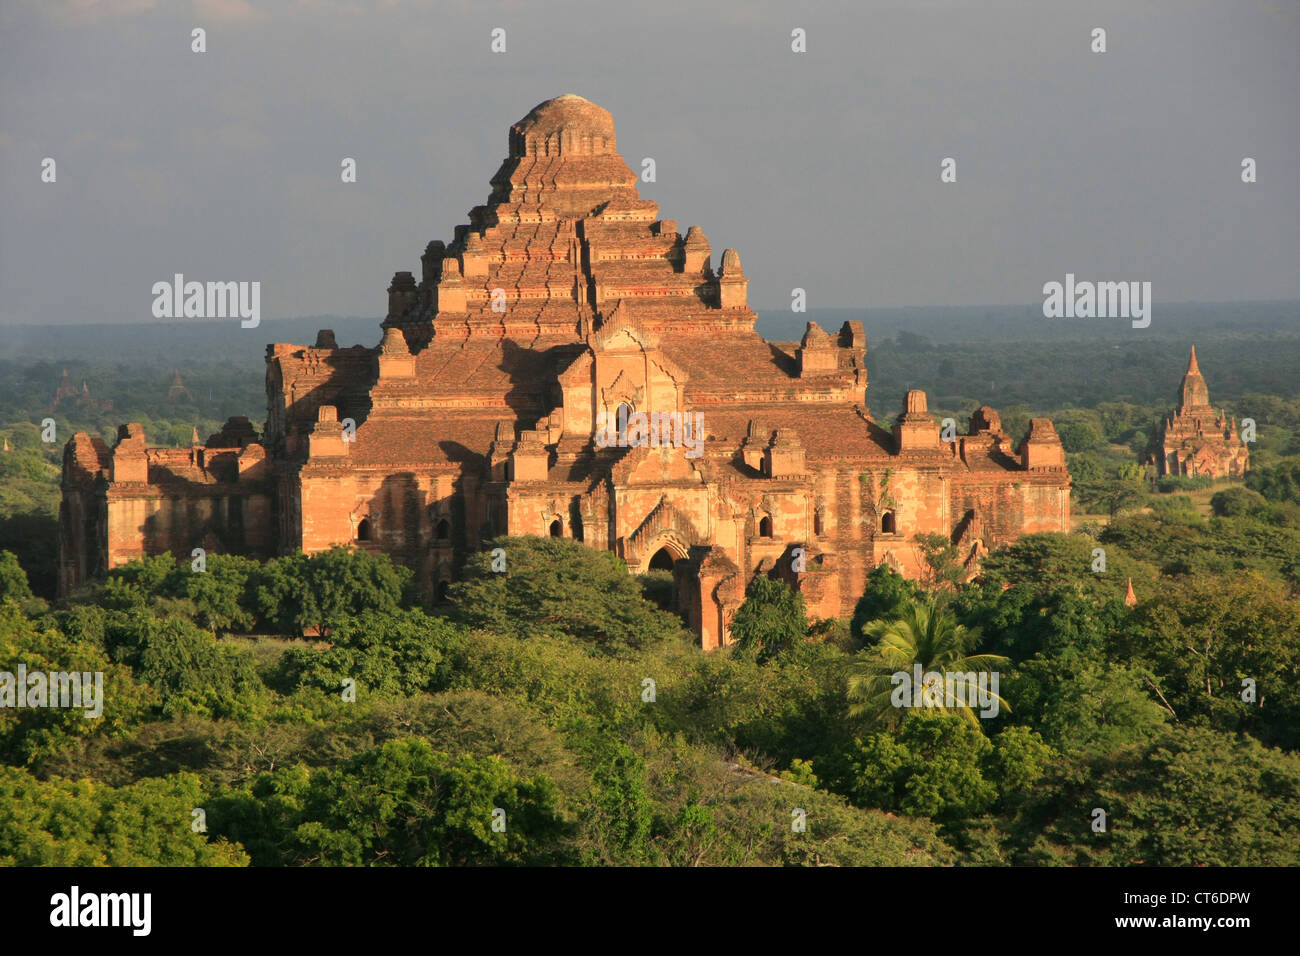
561	588
1082	703
13	579
942	562
1078	436
321	591
192	672
404	804
925	633
60	822
771	620
1046	562
398	653
32	735
1190	797
221	593
884	596
1205	638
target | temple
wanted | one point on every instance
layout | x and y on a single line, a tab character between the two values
1198	440
566	304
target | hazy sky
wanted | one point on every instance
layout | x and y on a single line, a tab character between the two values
821	168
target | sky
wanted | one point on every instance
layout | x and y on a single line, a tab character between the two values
822	168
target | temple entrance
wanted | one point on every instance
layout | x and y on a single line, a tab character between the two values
658	583
663	560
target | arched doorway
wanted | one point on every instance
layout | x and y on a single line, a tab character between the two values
557	529
663	560
659	583
363	530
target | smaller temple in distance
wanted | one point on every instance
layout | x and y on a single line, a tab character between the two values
1199	440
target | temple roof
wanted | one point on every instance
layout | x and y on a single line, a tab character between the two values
1193	392
567	124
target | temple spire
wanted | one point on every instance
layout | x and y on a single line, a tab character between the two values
1193	393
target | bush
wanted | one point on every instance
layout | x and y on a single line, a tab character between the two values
1171	483
1235	502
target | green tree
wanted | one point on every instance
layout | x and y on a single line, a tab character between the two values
771	620
1191	797
13	579
1078	436
32	735
943	563
191	670
321	591
60	822
561	588
404	804
886	594
925	633
1206	640
395	653
1235	502
619	812
221	593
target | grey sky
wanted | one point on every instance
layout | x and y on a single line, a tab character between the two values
821	168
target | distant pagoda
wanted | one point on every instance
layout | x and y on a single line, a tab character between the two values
1199	440
81	398
177	392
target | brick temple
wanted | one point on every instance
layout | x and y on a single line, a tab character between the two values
567	302
1198	440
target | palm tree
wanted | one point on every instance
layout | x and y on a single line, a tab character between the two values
924	632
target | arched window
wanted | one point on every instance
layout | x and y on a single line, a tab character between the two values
441	592
887	523
443	531
819	523
557	529
363	530
621	416
765	527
